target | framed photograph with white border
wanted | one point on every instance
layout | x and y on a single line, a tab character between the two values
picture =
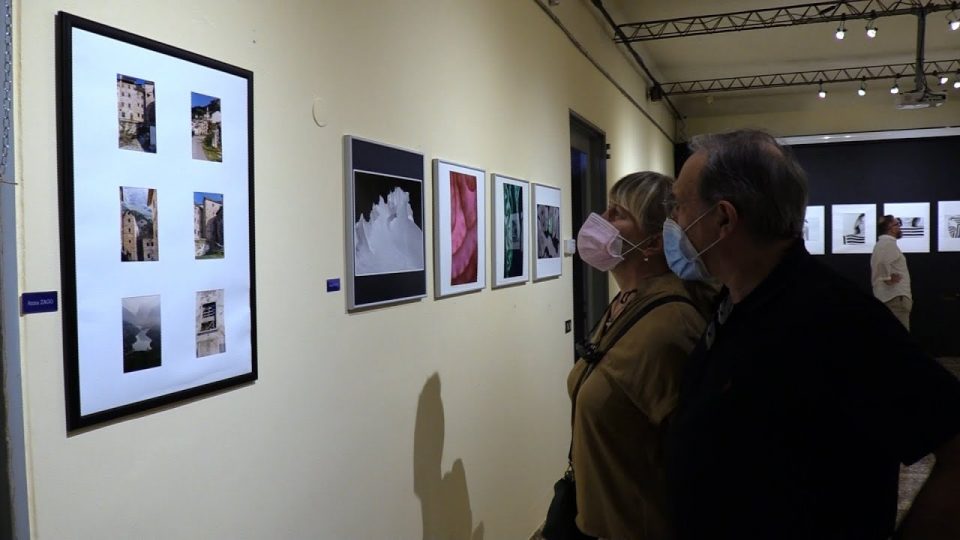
813	230
511	235
948	223
854	228
385	238
158	288
459	228
548	254
914	225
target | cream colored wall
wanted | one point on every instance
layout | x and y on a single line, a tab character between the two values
804	114
323	445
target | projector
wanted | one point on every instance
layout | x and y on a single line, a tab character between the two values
920	99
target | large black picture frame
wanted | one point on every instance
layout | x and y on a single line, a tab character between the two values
374	171
169	128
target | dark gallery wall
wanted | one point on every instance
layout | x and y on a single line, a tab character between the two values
894	171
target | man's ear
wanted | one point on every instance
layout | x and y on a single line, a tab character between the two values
728	218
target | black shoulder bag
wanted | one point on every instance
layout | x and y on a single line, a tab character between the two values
560	523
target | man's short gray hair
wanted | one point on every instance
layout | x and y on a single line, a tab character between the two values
759	177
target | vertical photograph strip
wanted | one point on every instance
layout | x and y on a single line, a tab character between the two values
138	225
136	114
211	334
208	225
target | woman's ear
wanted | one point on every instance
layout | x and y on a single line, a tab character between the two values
653	246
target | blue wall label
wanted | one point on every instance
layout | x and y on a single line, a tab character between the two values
38	302
333	285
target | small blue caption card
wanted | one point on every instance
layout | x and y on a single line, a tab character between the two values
38	302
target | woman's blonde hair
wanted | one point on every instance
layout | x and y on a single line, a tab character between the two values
643	194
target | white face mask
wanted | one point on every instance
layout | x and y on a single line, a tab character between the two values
684	259
600	245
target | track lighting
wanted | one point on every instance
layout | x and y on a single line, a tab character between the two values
895	89
841	30
862	91
871	29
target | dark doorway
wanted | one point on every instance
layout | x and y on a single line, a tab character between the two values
588	181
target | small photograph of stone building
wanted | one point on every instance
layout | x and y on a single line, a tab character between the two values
138	225
205	127
208	225
137	114
210	330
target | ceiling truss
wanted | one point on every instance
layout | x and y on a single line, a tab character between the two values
804	78
758	19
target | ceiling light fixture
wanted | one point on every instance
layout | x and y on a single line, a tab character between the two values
953	22
871	29
822	93
942	78
841	30
862	91
956	82
895	89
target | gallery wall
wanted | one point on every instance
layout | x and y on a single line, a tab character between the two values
444	417
896	171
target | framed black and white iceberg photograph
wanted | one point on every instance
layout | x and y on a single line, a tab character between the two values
511	233
948	223
548	255
459	228
914	221
385	239
813	230
145	298
854	228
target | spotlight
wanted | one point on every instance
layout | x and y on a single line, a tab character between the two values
953	21
956	83
895	89
871	29
822	93
862	91
841	30
941	78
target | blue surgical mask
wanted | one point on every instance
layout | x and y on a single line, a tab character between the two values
684	259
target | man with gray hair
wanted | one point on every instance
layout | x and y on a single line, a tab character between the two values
804	395
888	270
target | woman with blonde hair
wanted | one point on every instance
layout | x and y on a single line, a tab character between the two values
626	381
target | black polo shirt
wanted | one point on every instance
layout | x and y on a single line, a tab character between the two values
792	423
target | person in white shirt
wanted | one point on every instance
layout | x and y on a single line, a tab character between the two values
888	270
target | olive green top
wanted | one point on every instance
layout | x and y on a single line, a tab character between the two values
617	428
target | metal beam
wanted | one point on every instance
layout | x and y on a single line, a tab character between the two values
794	15
807	78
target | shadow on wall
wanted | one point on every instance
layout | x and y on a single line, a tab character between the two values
444	500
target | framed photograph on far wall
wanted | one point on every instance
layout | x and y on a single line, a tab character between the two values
548	253
460	228
813	230
948	223
158	281
386	242
511	235
914	225
854	228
